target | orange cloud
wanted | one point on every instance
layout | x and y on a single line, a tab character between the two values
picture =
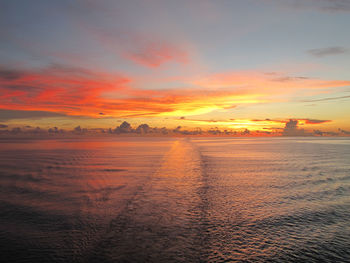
75	91
58	89
79	92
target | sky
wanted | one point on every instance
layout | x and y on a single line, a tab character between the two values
232	64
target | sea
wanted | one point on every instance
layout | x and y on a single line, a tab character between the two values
161	199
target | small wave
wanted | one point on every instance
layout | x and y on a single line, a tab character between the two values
114	170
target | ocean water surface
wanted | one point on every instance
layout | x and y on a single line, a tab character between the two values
134	199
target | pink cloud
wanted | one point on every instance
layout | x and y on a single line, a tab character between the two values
155	54
144	49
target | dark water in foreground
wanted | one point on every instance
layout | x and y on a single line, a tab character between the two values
175	200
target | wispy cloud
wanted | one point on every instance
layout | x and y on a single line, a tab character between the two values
265	83
330	6
328	51
307	121
327	99
23	114
314	121
154	54
149	50
8	74
333	5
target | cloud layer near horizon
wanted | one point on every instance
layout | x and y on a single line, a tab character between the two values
291	128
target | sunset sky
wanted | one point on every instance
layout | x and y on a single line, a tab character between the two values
231	64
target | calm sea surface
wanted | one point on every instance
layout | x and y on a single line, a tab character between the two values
175	200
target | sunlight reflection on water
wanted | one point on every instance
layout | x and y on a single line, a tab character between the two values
175	199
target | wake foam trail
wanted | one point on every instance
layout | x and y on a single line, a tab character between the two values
163	222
